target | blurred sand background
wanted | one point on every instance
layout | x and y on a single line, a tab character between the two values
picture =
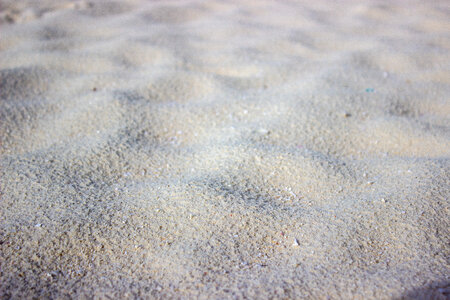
224	149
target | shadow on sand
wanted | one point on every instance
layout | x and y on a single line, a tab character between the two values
435	291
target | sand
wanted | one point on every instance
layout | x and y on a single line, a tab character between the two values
224	149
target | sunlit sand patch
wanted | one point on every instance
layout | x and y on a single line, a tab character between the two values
399	138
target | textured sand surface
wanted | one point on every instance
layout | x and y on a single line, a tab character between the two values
224	149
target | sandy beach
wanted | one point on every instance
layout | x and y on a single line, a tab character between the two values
224	149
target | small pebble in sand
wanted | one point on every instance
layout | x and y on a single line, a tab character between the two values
383	200
295	243
263	131
370	182
346	114
38	225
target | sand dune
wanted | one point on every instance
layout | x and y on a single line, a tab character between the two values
222	149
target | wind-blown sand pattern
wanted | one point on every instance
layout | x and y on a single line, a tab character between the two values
224	149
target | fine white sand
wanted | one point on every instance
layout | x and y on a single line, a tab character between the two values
224	149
